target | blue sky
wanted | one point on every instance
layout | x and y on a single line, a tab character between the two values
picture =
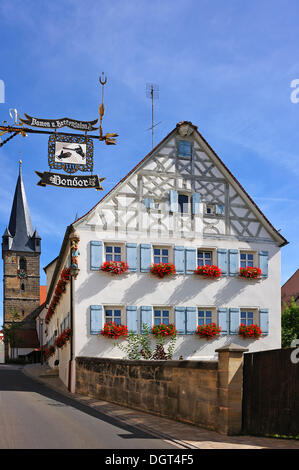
225	66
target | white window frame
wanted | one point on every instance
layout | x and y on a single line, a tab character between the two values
113	308
206	309
163	247
114	245
207	249
248	252
164	307
255	318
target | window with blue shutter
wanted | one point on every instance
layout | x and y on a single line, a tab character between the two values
263	262
233	262
96	319
219	209
184	148
145	257
190	255
146	316
173	200
132	256
195	203
222	260
264	321
148	202
191	320
179	259
234	321
96	255
223	320
180	320
132	318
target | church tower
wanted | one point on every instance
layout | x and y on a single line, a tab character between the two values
21	248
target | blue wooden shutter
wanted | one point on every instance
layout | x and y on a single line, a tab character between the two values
145	257
179	259
219	209
264	321
190	260
234	321
173	199
132	256
132	318
191	322
96	255
223	320
148	202
263	262
222	260
96	319
195	203
180	320
68	320
233	258
146	317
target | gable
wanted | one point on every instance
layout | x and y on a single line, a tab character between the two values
164	171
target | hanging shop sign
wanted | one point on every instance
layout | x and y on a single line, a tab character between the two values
58	123
70	181
70	153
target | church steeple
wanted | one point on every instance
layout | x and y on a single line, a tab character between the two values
20	236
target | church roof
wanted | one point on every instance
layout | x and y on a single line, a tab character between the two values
20	226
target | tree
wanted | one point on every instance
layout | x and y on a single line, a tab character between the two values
9	330
289	324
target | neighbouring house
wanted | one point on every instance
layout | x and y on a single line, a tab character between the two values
22	293
180	205
290	289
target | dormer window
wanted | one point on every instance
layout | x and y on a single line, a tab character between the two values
184	148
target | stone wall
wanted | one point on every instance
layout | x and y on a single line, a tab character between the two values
196	392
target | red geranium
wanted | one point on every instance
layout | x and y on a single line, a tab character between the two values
250	331
208	331
49	351
208	271
162	269
250	272
164	330
59	290
63	338
115	267
113	330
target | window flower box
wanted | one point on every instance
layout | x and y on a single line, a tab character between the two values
162	269
250	272
250	331
113	330
211	272
164	330
49	351
63	338
115	267
208	331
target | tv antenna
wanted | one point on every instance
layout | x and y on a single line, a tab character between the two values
152	92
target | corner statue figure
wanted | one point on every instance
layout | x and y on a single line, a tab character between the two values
75	253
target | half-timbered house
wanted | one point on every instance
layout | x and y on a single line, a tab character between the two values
179	205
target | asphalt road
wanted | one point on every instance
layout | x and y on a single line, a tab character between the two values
33	416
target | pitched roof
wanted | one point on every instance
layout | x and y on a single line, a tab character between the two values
43	294
290	289
276	233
